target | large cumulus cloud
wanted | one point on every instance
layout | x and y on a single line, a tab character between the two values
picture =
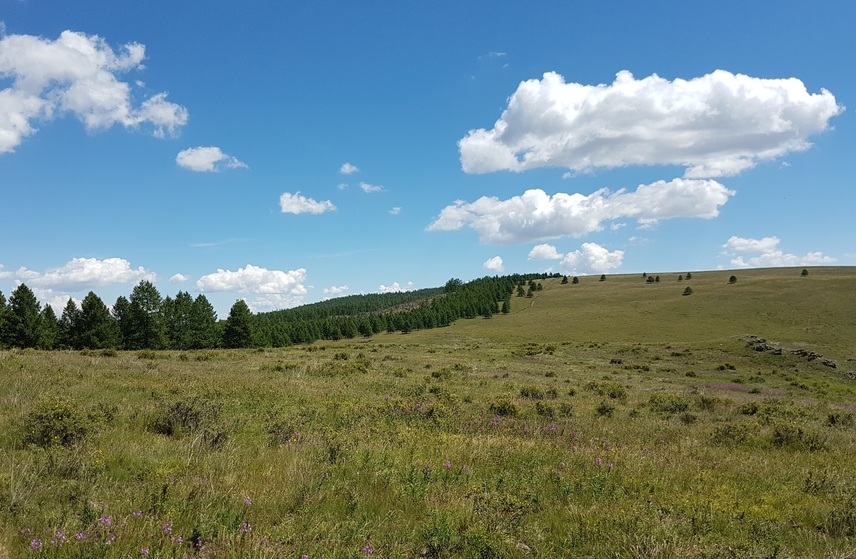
76	74
715	125
536	215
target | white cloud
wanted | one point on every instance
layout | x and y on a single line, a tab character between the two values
336	291
297	204
395	287
535	215
254	279
348	169
544	252
269	289
769	255
4	274
370	187
77	74
716	125
591	258
395	211
494	264
178	278
85	273
207	159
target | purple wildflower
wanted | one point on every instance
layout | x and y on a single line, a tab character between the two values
105	520
167	527
36	544
248	502
597	460
245	527
447	464
144	551
79	536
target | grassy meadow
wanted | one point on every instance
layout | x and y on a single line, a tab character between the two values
612	418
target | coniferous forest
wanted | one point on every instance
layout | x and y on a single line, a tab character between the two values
147	320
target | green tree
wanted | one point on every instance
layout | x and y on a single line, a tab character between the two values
203	324
145	318
564	280
575	280
122	314
689	276
4	321
804	273
603	277
97	329
688	291
732	279
50	328
177	317
520	291
69	327
506	307
239	330
24	318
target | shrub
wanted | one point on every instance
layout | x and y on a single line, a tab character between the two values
503	408
729	435
839	419
605	409
532	392
687	291
732	279
56	423
194	416
611	390
668	403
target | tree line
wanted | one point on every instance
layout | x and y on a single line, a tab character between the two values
146	320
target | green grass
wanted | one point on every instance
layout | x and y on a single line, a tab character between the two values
604	419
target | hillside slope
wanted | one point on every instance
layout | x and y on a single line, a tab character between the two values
816	312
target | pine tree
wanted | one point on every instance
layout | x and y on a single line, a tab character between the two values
239	326
203	324
24	318
96	328
69	327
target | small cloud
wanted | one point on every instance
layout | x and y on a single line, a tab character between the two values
591	258
395	287
395	211
336	291
267	289
298	204
178	278
370	187
207	159
544	252
768	254
348	169
494	264
342	186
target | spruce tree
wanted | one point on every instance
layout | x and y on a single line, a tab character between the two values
238	331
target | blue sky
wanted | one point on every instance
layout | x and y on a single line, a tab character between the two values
284	153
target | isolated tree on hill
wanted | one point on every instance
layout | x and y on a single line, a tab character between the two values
564	280
657	279
688	291
689	276
506	307
680	278
732	279
603	277
575	280
24	320
239	329
804	273
650	279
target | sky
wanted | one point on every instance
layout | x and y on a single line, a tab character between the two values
285	153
